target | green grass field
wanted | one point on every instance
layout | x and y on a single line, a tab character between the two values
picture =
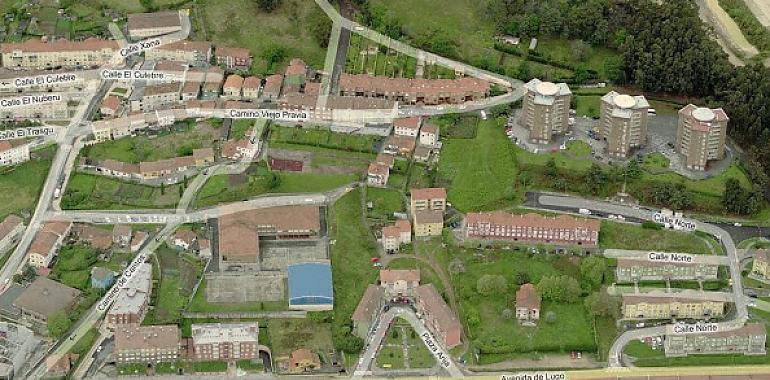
577	157
93	192
322	157
480	172
287	335
20	185
628	236
179	273
323	138
384	202
73	266
240	128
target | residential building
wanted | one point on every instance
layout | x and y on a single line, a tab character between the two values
145	25
303	360
545	110
407	127
39	55
272	89
313	88
63	80
13	152
377	175
109	106
634	269
147	344
158	96
102	278
203	156
623	123
438	317
96	237
132	301
396	235
45	110
43	298
367	310
400	145
700	135
45	245
295	76
233	58
225	341
399	282
421	154
335	105
532	228
251	86
414	91
385	159
10	230
749	340
191	52
184	239
527	304
428	223
190	90
432	198
121	234
212	86
429	135
672	305
236	149
233	87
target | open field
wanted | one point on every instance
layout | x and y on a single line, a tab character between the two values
284	29
20	185
480	172
628	236
384	202
73	266
324	157
287	335
93	192
324	138
178	274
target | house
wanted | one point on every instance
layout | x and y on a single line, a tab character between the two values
233	87
43	298
313	88
235	149
39	55
748	339
295	76
421	154
303	360
377	175
531	228
428	223
233	58
109	106
96	237
368	310
251	86
414	91
407	127
399	282
428	199
10	230
144	25
147	344
527	304
225	341
121	234
760	266
102	278
46	244
683	305
212	85
204	248
429	135
396	235
310	287
438	317
190	90
184	239
385	159
272	89
399	145
137	240
196	53
13	152
157	96
132	301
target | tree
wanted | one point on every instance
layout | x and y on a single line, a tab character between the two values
268	5
522	278
273	54
58	324
320	26
595	178
580	50
550	168
592	270
28	273
602	304
162	188
562	289
507	314
491	284
632	170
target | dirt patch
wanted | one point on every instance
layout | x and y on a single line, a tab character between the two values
329	169
727	30
761	10
237	179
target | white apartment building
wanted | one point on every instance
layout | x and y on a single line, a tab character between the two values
39	55
190	52
13	152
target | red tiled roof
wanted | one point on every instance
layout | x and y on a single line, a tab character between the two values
432	301
91	44
532	220
369	303
296	67
378	169
527	297
185	45
393	275
234	81
428	193
111	102
409	123
385	159
286	165
429	128
252	82
235	52
273	84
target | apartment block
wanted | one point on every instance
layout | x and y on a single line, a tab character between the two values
532	228
39	55
53	107
399	282
132	302
13	152
545	110
414	91
633	269
433	198
225	341
147	344
145	25
233	58
438	317
700	135
407	127
748	340
158	96
623	122
367	310
429	135
676	305
428	223
396	235
45	245
191	52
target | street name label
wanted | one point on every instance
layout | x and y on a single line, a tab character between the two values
140	46
277	115
41	80
666	257
434	348
138	75
698	328
29	100
676	223
26	132
545	375
128	274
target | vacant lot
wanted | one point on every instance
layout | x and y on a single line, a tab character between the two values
323	138
480	172
628	236
177	275
92	192
73	266
20	185
287	335
384	202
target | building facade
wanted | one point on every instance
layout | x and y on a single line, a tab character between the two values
191	52
39	55
225	341
668	307
396	235
13	152
145	25
642	269
748	340
700	135
367	310
532	228
623	123
428	199
545	110
147	344
428	223
438	317
527	304
399	282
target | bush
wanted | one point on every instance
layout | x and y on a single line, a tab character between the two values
650	225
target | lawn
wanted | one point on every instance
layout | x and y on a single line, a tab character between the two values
480	172
287	335
178	143
321	157
20	185
249	366
421	176
576	158
365	56
390	357
324	138
283	31
94	192
456	126
226	188
240	128
384	202
177	275
629	236
73	266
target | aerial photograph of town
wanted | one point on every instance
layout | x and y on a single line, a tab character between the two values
413	189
